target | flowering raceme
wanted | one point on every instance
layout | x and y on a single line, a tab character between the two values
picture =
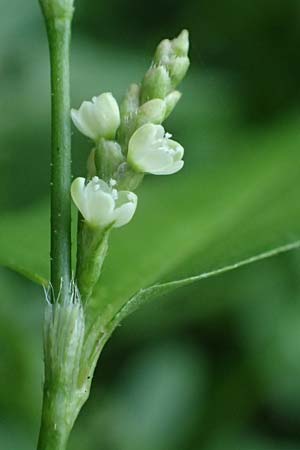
102	205
151	151
129	142
99	118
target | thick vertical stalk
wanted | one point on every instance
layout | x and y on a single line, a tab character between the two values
59	32
55	429
61	158
58	415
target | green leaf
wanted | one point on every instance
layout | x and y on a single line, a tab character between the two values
158	290
206	219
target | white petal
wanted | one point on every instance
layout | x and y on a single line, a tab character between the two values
88	113
127	202
107	114
175	167
142	139
78	193
154	160
178	149
80	124
84	119
100	204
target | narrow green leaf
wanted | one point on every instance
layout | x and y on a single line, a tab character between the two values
158	290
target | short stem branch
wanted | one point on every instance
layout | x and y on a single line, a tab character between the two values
91	252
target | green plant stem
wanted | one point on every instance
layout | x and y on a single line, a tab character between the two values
55	428
59	33
56	422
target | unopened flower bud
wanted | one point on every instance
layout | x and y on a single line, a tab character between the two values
153	111
129	108
156	83
98	118
151	151
108	157
168	48
130	102
171	101
178	68
173	55
180	44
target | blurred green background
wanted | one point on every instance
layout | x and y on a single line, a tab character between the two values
215	366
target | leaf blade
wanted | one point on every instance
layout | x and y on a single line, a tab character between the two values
150	293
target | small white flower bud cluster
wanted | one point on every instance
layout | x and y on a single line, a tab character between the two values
173	56
157	96
169	66
130	141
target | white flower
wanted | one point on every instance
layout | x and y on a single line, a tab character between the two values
102	205
151	151
98	118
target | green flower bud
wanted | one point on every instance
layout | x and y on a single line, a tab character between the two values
156	83
108	156
162	52
180	44
128	109
173	55
153	111
178	68
171	101
130	101
170	49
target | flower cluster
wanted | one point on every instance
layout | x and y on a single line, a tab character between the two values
130	141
